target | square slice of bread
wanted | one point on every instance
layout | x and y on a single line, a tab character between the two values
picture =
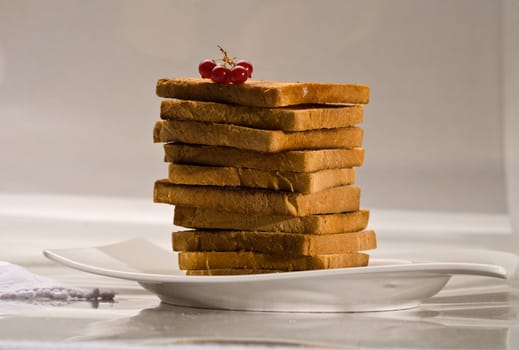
320	224
185	174
306	117
255	201
295	161
261	140
261	93
250	260
294	244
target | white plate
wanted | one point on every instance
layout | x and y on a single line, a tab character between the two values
386	284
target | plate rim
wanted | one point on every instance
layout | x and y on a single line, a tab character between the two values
389	266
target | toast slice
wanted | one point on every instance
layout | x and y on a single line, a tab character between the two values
307	117
261	140
253	201
254	261
322	224
261	93
182	174
221	272
294	244
295	161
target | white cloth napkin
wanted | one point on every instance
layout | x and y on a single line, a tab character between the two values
17	283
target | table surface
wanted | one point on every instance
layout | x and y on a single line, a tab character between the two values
469	313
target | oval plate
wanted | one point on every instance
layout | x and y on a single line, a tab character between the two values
386	284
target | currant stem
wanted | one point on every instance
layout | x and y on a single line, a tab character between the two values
226	59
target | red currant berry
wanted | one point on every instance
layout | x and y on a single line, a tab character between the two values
205	67
247	65
238	75
220	74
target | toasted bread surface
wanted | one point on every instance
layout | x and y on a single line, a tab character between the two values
322	224
295	244
261	93
298	118
295	161
250	260
261	140
185	174
255	201
220	272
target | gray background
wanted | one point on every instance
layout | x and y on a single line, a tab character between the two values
77	102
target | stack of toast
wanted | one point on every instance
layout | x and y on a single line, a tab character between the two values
262	175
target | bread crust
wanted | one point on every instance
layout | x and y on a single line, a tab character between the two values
261	93
220	272
319	224
254	201
300	118
295	161
260	140
185	174
250	260
294	244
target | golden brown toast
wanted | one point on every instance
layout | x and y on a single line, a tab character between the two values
300	118
249	260
322	224
261	93
261	140
294	244
220	272
254	201
185	174
295	161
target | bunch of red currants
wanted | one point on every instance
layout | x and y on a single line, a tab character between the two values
225	70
